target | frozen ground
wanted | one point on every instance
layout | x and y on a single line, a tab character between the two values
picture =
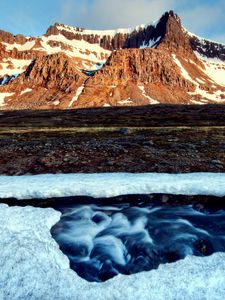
33	267
111	184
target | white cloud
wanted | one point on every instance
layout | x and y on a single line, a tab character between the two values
114	13
204	18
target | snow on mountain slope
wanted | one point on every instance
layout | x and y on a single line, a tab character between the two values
151	100
33	267
28	45
214	68
90	47
91	53
205	96
12	66
75	48
184	72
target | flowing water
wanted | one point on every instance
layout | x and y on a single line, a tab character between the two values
103	241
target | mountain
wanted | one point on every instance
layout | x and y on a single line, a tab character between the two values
72	67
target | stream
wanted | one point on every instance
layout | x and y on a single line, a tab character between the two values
104	241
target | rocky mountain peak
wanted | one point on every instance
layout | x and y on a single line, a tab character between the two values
174	37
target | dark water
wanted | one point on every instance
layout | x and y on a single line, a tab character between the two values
102	241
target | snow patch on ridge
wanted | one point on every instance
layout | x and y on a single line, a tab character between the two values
151	100
3	96
110	185
26	91
33	267
126	101
78	93
203	40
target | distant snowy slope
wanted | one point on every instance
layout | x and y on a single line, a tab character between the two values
214	68
206	47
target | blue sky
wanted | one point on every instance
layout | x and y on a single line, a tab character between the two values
32	17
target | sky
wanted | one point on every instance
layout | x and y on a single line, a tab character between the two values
33	17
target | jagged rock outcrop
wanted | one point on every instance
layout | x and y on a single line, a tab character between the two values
10	38
174	38
52	71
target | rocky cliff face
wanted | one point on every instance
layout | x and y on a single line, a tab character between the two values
72	67
136	77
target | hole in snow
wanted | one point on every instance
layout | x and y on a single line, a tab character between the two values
103	241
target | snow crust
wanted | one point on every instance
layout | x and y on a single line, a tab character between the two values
33	267
110	184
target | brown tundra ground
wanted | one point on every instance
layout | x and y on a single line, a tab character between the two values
157	138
